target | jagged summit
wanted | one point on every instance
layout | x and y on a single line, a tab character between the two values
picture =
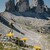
39	5
37	2
23	6
10	5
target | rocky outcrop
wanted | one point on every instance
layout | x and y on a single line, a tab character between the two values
22	5
10	5
35	3
39	4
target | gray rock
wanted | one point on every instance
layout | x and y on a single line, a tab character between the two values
10	5
39	4
22	5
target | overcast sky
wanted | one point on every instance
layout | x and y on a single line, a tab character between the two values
2	4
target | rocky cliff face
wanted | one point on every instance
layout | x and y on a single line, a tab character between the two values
39	4
10	5
22	5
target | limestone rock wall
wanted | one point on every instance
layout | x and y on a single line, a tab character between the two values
10	5
39	4
34	3
22	5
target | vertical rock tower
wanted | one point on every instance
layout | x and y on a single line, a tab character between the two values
10	5
22	5
39	4
34	3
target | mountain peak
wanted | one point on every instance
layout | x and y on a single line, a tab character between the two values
23	6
